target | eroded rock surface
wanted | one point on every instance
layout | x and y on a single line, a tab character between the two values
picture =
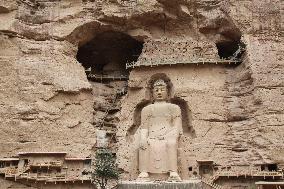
235	112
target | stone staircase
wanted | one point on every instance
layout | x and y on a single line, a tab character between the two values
109	119
210	183
112	108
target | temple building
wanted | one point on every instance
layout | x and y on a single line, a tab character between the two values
48	168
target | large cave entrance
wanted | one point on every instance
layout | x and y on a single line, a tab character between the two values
106	55
227	49
104	59
231	47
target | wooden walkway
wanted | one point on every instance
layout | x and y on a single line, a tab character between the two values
48	177
249	173
243	174
196	62
47	164
101	77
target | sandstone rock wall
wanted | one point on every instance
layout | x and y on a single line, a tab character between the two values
41	99
47	103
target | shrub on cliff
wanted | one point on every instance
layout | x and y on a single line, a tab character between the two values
105	168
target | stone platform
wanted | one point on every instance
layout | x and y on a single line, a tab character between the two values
190	184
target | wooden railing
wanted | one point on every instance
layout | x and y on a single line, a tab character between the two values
102	77
250	173
10	171
177	62
234	174
52	178
46	164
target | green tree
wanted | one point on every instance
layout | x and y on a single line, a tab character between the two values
105	168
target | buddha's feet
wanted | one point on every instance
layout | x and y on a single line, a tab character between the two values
174	177
143	177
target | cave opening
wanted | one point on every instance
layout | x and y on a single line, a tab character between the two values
104	58
269	167
106	55
232	50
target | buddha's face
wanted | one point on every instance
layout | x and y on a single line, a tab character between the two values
160	93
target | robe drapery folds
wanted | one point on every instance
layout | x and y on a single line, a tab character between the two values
161	126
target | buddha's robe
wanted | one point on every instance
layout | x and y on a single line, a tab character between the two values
161	127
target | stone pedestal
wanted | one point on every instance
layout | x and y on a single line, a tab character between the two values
190	184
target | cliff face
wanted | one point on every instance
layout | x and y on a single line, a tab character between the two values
46	101
236	112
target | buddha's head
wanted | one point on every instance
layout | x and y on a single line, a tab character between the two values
160	90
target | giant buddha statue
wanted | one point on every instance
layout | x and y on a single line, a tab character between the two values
161	127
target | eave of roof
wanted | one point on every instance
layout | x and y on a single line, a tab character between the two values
42	153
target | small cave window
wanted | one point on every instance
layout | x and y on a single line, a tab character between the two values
106	55
269	167
189	168
205	169
232	50
272	167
